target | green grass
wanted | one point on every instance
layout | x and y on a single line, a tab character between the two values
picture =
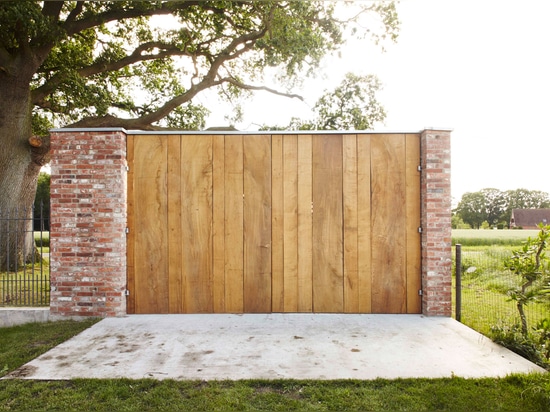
22	343
485	302
29	286
19	344
471	237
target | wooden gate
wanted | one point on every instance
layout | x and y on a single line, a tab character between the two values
274	223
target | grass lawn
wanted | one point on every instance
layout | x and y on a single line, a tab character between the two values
488	237
21	343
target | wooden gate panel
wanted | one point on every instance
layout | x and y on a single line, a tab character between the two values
151	223
176	291
364	264
328	293
290	223
389	294
280	223
218	222
305	224
196	232
257	224
277	224
234	230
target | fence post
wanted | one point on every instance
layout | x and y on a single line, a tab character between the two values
458	272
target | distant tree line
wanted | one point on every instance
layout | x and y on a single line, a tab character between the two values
493	207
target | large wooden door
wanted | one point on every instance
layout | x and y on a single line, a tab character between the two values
274	223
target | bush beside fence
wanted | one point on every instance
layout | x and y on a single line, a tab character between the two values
485	282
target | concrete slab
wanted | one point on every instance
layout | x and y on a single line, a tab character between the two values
11	316
273	346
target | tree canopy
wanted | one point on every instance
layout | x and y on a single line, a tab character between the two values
495	207
104	63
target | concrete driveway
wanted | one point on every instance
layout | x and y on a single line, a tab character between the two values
273	346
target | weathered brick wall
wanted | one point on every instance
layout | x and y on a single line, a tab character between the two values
88	222
436	222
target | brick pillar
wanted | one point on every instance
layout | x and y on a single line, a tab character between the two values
88	222
436	222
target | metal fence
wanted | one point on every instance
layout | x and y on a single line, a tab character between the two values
482	299
24	257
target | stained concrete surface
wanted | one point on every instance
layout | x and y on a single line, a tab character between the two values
273	346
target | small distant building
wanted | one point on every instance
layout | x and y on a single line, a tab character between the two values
529	218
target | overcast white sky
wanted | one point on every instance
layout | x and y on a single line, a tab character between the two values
479	67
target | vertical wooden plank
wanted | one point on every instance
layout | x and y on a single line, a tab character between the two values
196	189
388	224
218	222
305	234
257	223
364	223
290	224
234	223
414	268
327	224
277	222
175	241
351	273
131	238
150	217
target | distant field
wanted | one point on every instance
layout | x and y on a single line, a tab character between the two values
489	237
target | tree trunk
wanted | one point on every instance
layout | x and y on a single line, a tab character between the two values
18	172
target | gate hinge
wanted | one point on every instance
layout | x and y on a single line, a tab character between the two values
127	168
419	229
127	230
126	292
419	168
419	292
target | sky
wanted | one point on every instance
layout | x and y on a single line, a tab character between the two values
478	67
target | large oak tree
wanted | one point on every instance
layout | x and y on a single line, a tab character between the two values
94	64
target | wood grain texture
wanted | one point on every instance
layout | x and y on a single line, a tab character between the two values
290	223
350	218
196	190
389	294
277	224
364	265
234	264
150	217
305	224
328	262
218	223
175	241
257	224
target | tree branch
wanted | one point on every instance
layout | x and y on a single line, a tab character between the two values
244	86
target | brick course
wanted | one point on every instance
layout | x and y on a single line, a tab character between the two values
435	146
88	222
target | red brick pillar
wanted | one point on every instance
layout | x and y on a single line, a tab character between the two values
88	223
436	222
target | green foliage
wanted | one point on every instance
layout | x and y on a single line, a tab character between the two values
531	265
350	106
110	62
458	223
495	207
533	346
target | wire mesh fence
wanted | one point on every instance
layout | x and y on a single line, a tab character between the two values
24	257
483	295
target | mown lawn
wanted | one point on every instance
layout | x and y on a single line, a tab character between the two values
21	343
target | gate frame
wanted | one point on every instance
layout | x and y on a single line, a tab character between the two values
89	211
